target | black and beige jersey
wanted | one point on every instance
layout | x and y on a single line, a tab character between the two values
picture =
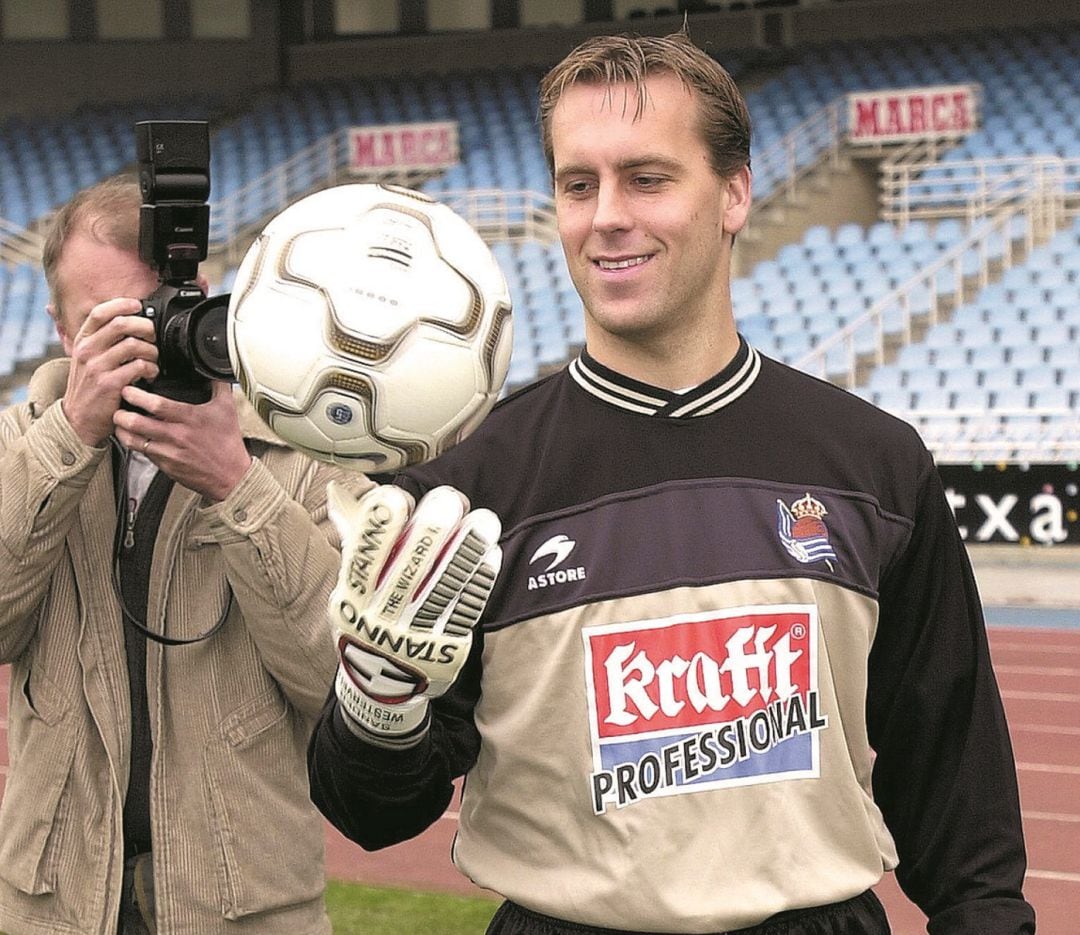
716	608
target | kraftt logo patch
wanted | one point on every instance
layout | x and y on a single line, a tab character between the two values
695	702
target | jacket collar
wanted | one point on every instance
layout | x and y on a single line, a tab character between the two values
49	381
704	399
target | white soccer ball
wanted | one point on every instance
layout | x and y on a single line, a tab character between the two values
370	326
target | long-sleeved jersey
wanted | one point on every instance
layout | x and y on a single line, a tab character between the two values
734	663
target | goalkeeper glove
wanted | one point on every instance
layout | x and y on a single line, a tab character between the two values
412	585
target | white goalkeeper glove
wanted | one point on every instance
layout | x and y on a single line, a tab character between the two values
412	585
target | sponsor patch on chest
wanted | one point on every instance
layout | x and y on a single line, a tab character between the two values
694	702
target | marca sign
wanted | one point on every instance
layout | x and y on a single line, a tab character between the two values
942	112
688	703
404	146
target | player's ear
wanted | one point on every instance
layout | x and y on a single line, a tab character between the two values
737	188
66	339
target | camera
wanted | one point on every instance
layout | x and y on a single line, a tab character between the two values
190	330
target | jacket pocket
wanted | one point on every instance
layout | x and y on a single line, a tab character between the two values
32	811
268	837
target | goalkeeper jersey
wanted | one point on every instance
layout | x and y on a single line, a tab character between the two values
734	664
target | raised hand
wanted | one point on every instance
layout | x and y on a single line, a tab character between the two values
113	348
412	586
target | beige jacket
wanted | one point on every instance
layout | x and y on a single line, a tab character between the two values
238	847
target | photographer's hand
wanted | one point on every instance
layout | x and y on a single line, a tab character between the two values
113	348
200	447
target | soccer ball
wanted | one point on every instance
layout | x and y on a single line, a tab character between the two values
370	326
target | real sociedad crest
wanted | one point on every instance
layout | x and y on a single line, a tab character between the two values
803	531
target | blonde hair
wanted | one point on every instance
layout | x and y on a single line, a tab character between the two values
107	211
627	59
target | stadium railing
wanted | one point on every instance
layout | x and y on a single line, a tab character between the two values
1001	240
19	245
971	189
498	214
816	140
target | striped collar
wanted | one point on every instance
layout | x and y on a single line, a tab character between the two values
706	398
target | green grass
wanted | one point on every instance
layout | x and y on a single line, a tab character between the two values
368	910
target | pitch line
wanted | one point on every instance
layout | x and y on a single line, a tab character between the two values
1041	696
1049	768
1037	670
1058	876
1050	816
1045	729
1032	648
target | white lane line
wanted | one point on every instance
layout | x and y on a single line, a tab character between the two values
1058	876
1050	816
1050	672
1049	768
1041	696
1045	729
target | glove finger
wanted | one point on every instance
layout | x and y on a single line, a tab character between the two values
341	497
434	522
459	586
369	526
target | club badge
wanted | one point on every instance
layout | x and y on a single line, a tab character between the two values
803	532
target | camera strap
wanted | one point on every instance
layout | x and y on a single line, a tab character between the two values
133	551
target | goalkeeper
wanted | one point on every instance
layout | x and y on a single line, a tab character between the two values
733	668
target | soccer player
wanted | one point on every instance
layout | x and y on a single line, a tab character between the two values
154	787
734	666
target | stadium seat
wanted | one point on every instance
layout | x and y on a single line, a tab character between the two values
1052	399
1012	398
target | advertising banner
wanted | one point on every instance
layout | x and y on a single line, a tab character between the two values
403	146
899	115
1035	504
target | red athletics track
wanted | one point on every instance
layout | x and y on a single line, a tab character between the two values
1039	674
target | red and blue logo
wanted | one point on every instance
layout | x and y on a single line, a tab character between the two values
694	702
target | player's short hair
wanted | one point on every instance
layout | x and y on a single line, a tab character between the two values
107	211
724	120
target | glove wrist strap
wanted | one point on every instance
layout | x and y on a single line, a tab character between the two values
385	725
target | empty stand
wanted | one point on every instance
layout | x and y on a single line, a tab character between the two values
1002	366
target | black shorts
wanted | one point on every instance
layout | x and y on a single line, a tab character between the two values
861	915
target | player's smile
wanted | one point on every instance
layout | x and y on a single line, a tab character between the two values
618	265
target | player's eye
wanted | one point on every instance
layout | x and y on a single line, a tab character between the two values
578	187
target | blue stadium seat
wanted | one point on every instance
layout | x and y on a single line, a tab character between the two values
1013	398
932	399
922	378
1000	378
1052	399
963	378
953	356
988	356
971	400
1039	378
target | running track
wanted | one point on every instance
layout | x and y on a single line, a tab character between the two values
1039	673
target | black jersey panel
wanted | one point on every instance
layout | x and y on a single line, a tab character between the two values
691	533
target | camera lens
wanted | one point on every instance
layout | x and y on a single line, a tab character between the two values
209	341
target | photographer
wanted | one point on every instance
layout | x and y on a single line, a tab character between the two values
152	786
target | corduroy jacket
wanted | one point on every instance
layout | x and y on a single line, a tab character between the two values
237	845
